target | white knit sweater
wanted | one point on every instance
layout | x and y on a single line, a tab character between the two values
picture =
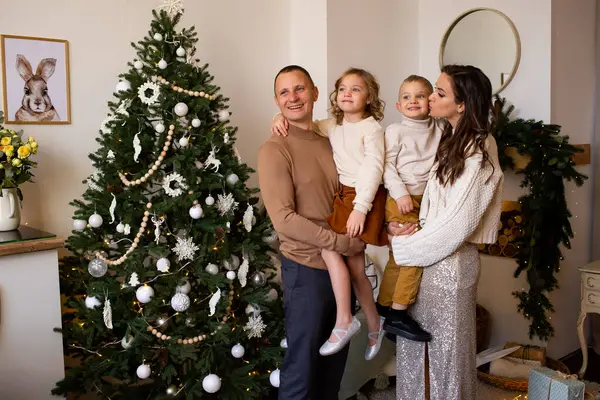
466	211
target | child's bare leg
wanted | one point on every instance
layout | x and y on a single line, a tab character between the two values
364	293
340	281
397	306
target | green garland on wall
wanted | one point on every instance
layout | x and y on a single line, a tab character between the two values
545	216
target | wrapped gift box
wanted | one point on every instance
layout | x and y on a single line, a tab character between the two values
547	384
528	352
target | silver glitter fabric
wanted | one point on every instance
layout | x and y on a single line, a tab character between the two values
446	308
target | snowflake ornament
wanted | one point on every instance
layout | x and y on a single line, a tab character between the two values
226	204
172	7
176	191
151	99
185	249
104	126
255	327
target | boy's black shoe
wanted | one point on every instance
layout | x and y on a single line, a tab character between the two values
400	323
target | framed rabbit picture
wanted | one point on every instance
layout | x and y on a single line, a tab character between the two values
35	80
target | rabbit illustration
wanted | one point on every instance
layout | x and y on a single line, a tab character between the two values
36	104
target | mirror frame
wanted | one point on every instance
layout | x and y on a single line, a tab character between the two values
512	27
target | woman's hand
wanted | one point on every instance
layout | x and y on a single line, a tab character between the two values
405	204
356	223
279	126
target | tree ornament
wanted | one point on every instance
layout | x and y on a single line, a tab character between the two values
223	115
231	275
196	211
272	295
211	383
232	264
97	268
158	37
134	280
258	279
248	218
238	351
196	123
162	64
136	147
95	220
190	322
110	156
255	327
163	264
127	341
151	98
79	224
226	204
126	230
226	137
107	314
157	223
214	300
138	65
111	210
232	179
185	249
184	287
122	86
243	272
274	378
159	128
180	51
143	371
144	294
284	343
181	109
209	200
180	302
212	269
174	191
120	227
92	302
212	161
183	142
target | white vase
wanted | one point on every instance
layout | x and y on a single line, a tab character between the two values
10	210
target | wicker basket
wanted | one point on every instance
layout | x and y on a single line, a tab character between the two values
519	385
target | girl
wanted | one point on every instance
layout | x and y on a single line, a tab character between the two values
358	209
460	209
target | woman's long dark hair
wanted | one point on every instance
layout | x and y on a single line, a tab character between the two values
474	89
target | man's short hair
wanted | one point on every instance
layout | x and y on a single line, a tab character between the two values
292	68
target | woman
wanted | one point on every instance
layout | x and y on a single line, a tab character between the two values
461	208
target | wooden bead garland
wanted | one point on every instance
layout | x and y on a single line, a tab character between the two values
178	89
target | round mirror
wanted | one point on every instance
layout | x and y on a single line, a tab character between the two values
487	39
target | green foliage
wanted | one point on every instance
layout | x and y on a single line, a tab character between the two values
544	210
102	364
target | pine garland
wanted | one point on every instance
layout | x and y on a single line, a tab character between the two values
544	210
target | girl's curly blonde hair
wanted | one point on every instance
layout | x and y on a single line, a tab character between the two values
375	105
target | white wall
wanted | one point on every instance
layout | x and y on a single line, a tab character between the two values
238	39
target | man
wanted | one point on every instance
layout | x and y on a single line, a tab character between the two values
298	180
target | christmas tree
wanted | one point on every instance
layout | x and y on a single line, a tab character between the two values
167	289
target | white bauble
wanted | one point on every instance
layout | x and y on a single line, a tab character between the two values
123	86
95	220
196	211
138	65
180	302
184	288
211	383
162	64
274	378
144	294
143	371
97	268
79	224
160	128
223	115
196	123
212	269
232	179
158	37
181	109
127	341
120	228
92	302
238	351
209	201
163	264
235	260
180	51
253	309
272	295
184	141
283	344
231	275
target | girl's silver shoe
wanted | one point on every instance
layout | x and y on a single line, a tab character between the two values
374	349
344	336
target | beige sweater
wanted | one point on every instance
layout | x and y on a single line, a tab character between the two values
466	211
358	152
410	148
298	180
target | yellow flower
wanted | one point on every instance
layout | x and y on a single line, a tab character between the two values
9	151
16	162
24	151
5	141
30	139
34	145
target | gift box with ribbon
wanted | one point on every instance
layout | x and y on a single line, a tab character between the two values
547	384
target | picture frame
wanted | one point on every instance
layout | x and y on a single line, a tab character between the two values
35	80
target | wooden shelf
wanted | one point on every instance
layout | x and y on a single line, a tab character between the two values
29	246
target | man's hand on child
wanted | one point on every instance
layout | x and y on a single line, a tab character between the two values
279	126
405	204
356	223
